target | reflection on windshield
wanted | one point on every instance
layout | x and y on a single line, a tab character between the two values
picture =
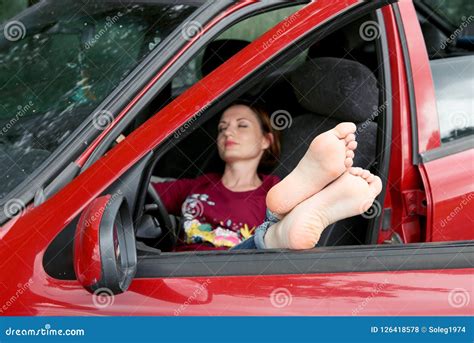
58	61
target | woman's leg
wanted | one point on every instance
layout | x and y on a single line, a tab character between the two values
257	240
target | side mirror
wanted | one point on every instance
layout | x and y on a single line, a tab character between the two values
105	254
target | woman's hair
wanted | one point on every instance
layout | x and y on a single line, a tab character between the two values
272	154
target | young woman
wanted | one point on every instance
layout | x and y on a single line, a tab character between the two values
223	211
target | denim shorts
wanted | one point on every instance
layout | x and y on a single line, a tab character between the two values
257	241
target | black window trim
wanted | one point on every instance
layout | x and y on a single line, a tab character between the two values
323	260
384	128
449	148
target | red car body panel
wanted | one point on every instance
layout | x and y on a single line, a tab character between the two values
403	175
85	243
399	293
426	113
25	238
452	197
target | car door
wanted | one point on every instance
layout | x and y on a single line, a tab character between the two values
442	111
343	280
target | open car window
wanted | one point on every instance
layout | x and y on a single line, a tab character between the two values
308	94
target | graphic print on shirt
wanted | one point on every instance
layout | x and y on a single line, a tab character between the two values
198	230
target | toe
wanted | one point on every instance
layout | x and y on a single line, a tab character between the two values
376	185
350	154
352	145
365	173
344	129
348	162
357	171
350	137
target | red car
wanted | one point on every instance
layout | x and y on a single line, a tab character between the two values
98	100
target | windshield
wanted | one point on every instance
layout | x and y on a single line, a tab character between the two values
59	60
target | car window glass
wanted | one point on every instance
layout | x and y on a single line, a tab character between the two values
454	88
447	28
58	61
455	11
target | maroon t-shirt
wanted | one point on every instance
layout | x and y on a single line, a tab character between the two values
215	218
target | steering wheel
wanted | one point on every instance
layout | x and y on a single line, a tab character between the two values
157	209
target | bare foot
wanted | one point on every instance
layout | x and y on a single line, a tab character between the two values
351	194
328	156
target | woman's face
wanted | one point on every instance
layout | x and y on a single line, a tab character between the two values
240	135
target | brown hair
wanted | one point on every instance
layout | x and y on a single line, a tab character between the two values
271	155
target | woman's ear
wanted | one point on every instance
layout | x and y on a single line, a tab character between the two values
267	140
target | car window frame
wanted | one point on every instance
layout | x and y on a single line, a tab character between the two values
241	255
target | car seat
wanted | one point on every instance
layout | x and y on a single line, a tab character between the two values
332	90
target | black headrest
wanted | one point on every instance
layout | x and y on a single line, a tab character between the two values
219	51
337	88
332	46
